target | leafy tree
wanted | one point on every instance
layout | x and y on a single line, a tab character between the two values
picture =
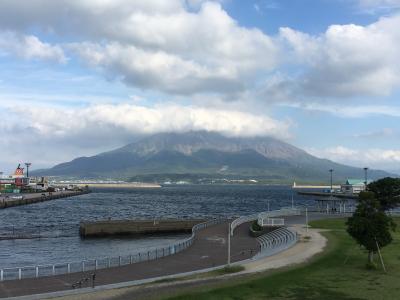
370	225
387	192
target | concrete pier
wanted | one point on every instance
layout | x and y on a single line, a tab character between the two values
11	200
135	227
320	194
127	185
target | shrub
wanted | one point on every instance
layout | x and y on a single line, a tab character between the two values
255	226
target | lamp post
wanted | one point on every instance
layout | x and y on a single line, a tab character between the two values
331	171
229	244
27	168
366	177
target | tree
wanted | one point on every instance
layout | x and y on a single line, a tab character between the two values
369	225
387	192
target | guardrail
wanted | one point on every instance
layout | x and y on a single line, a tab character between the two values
275	241
103	263
271	222
284	211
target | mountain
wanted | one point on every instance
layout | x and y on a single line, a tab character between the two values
203	154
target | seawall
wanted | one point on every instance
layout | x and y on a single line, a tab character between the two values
136	227
336	195
128	185
25	199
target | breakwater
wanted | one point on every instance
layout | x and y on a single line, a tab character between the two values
24	199
136	227
127	185
320	194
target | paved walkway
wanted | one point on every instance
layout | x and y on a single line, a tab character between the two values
208	250
299	253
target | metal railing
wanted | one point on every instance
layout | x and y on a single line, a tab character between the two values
241	220
284	211
271	221
275	241
103	263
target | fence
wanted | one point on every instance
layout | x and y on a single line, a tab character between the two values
276	241
271	221
284	211
103	263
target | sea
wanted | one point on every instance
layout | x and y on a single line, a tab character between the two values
49	231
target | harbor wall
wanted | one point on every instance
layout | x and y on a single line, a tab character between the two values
336	195
127	185
136	227
37	197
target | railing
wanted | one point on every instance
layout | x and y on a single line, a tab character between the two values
271	221
103	263
241	220
275	241
284	211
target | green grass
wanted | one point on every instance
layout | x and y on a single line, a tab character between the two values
338	273
229	270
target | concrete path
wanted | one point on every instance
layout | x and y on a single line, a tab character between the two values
304	250
208	250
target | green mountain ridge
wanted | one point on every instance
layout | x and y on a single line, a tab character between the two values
207	154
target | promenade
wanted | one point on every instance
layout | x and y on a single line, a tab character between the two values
209	250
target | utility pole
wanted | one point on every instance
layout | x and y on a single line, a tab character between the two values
229	244
27	164
366	177
292	201
306	219
331	171
268	204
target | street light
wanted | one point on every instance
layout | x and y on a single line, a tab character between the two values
331	171
27	168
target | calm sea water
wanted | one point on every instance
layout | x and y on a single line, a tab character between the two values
58	221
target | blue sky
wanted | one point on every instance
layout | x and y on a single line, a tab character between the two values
323	75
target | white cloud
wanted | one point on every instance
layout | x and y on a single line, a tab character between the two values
374	157
30	47
194	46
373	6
90	130
347	111
162	45
377	134
347	60
136	119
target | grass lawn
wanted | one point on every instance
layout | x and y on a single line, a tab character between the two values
338	273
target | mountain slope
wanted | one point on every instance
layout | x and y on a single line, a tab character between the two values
207	154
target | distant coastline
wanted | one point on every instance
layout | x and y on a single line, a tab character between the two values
132	185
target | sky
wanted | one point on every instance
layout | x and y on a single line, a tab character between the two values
79	77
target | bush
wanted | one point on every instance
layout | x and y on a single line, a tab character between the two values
255	226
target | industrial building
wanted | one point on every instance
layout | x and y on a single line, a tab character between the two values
19	182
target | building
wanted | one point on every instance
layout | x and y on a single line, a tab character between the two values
354	186
18	182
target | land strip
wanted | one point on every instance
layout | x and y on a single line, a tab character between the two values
7	201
